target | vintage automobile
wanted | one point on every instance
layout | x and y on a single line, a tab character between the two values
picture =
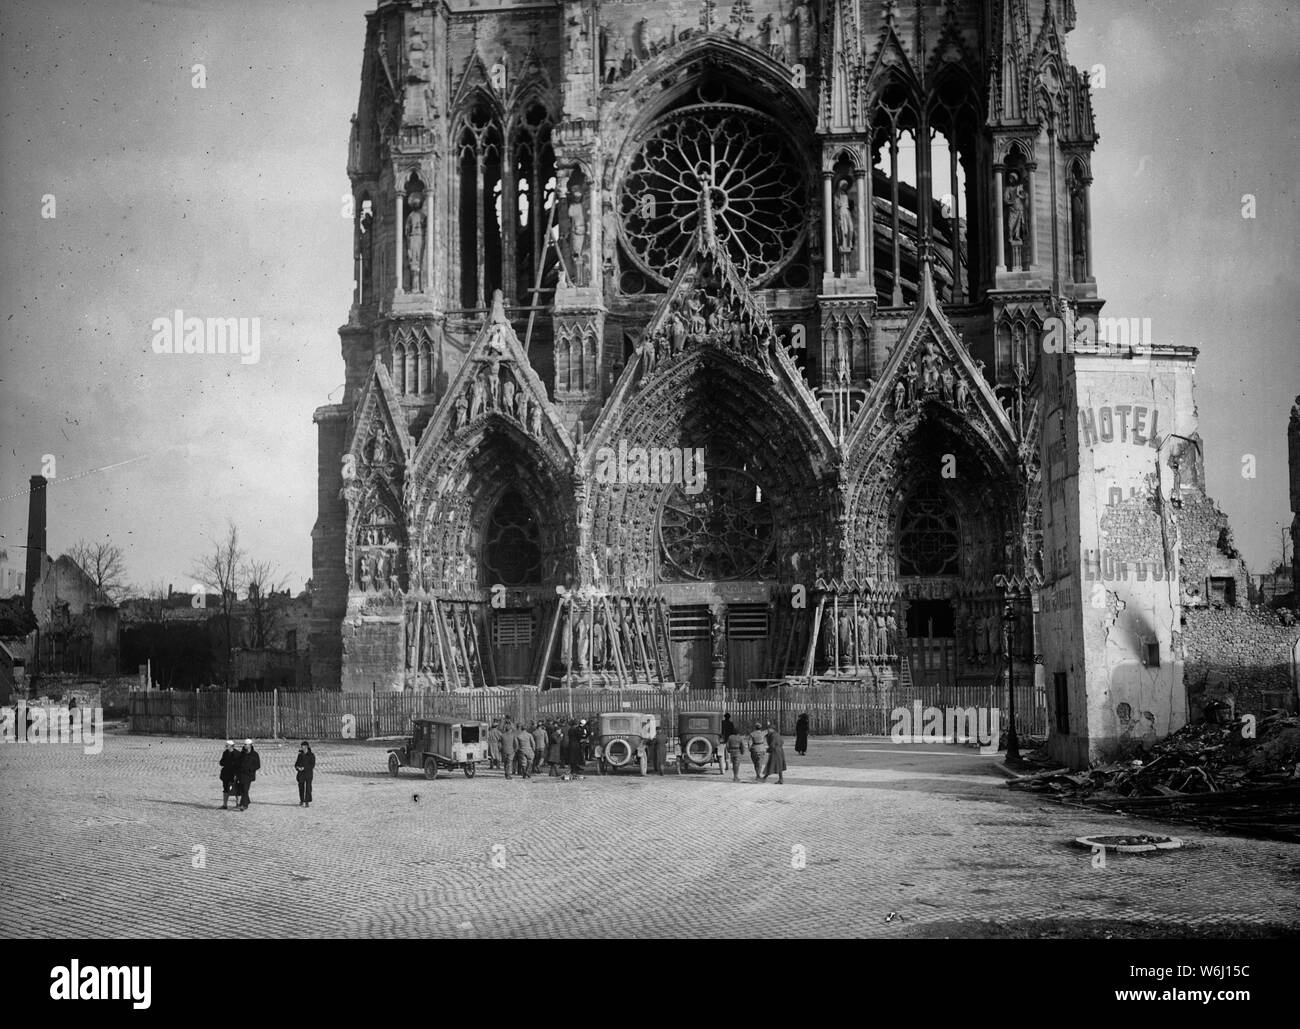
441	743
621	740
700	738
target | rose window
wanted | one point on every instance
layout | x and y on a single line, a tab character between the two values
746	163
724	531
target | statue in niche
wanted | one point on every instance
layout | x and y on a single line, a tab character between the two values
846	227
460	412
521	406
576	213
829	640
882	637
962	395
615	50
535	418
598	641
477	397
1014	199
891	634
415	241
900	396
843	364
508	395
365	577
866	638
491	387
848	653
583	642
947	378
1079	228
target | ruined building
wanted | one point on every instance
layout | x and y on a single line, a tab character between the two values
714	342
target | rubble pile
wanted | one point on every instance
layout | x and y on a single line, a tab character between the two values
1213	774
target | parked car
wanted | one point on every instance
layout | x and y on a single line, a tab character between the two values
621	740
441	743
699	734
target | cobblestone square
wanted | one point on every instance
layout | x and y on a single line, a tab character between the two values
865	839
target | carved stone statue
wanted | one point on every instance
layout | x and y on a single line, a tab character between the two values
521	407
535	419
846	228
900	395
615	50
963	394
947	377
583	642
491	386
866	638
930	360
577	218
566	639
415	242
848	653
1079	228
598	642
677	332
478	397
829	639
508	395
1014	199
802	17
460	413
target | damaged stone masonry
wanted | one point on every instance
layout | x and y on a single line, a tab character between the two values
584	229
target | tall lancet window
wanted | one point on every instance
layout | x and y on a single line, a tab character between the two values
478	222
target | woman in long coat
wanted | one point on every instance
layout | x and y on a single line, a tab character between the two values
801	735
775	756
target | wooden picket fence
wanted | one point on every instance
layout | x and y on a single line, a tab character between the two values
833	709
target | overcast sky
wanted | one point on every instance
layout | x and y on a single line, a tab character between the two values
226	201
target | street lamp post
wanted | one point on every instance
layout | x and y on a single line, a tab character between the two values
1009	626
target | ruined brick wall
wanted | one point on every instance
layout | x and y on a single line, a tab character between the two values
1207	550
1245	653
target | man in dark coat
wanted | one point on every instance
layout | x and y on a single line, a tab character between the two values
728	726
576	758
540	740
229	775
306	766
249	763
775	755
801	735
525	747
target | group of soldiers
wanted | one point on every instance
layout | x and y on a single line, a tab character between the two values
564	747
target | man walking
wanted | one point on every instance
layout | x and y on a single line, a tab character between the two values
539	746
527	752
735	751
507	747
229	774
758	749
249	763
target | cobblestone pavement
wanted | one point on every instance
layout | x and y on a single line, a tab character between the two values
894	842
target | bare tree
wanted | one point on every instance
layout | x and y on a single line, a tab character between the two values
223	570
104	564
263	581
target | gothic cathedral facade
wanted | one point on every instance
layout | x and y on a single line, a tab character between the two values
709	343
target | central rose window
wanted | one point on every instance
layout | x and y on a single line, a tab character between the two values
744	161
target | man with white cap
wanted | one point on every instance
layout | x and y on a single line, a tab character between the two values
229	774
249	763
